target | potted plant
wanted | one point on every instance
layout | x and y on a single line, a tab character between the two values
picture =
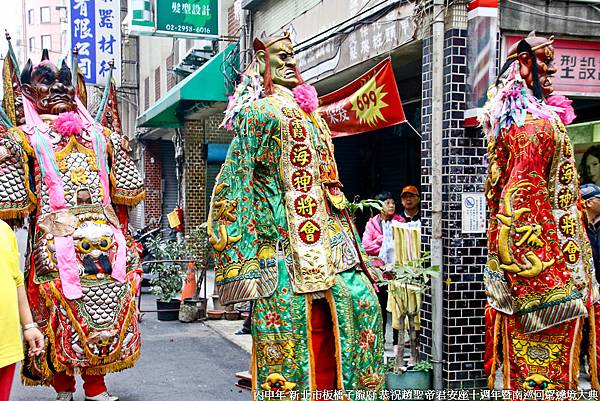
362	205
418	377
410	281
168	275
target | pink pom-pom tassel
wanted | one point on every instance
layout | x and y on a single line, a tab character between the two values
306	97
68	124
567	115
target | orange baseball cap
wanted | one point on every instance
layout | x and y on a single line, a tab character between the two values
410	189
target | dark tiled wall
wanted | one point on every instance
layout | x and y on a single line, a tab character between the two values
464	255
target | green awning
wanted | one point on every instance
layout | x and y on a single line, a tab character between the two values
206	84
584	133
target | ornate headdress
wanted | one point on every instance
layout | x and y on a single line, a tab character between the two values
528	45
509	100
253	85
14	78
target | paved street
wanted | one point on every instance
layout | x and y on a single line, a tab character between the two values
180	361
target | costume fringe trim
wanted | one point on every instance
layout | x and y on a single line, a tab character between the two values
24	211
91	357
108	364
127	200
114	367
20	213
254	369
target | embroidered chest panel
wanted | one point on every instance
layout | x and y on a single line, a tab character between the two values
305	204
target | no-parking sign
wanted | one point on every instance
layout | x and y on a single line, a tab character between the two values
473	212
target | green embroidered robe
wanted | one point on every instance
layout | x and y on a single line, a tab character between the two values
281	236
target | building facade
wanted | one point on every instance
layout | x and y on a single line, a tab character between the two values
43	27
174	130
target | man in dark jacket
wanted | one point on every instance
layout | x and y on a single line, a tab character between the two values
590	193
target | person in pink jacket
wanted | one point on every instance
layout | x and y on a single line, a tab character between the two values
378	240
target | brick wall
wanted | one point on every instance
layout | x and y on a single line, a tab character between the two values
194	174
214	134
152	182
196	135
463	254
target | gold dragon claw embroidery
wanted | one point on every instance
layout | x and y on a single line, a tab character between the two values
225	209
220	242
224	212
531	264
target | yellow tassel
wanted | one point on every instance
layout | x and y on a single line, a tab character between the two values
336	334
254	372
573	385
505	339
593	350
115	366
19	213
311	360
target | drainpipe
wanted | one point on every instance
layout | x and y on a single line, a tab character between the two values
246	49
437	288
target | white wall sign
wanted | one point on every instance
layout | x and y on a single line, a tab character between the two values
473	212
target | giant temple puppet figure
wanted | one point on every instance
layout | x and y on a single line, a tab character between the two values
74	179
539	277
281	236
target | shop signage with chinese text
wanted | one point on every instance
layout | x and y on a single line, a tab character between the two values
355	45
188	18
578	64
96	33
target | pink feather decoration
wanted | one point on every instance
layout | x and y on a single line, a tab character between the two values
567	115
306	97
68	124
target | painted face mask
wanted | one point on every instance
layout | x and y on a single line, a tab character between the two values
535	55
276	62
49	88
283	64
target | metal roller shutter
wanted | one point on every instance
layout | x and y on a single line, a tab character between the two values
169	181
212	171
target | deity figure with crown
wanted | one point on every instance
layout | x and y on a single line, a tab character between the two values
539	277
282	237
72	177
